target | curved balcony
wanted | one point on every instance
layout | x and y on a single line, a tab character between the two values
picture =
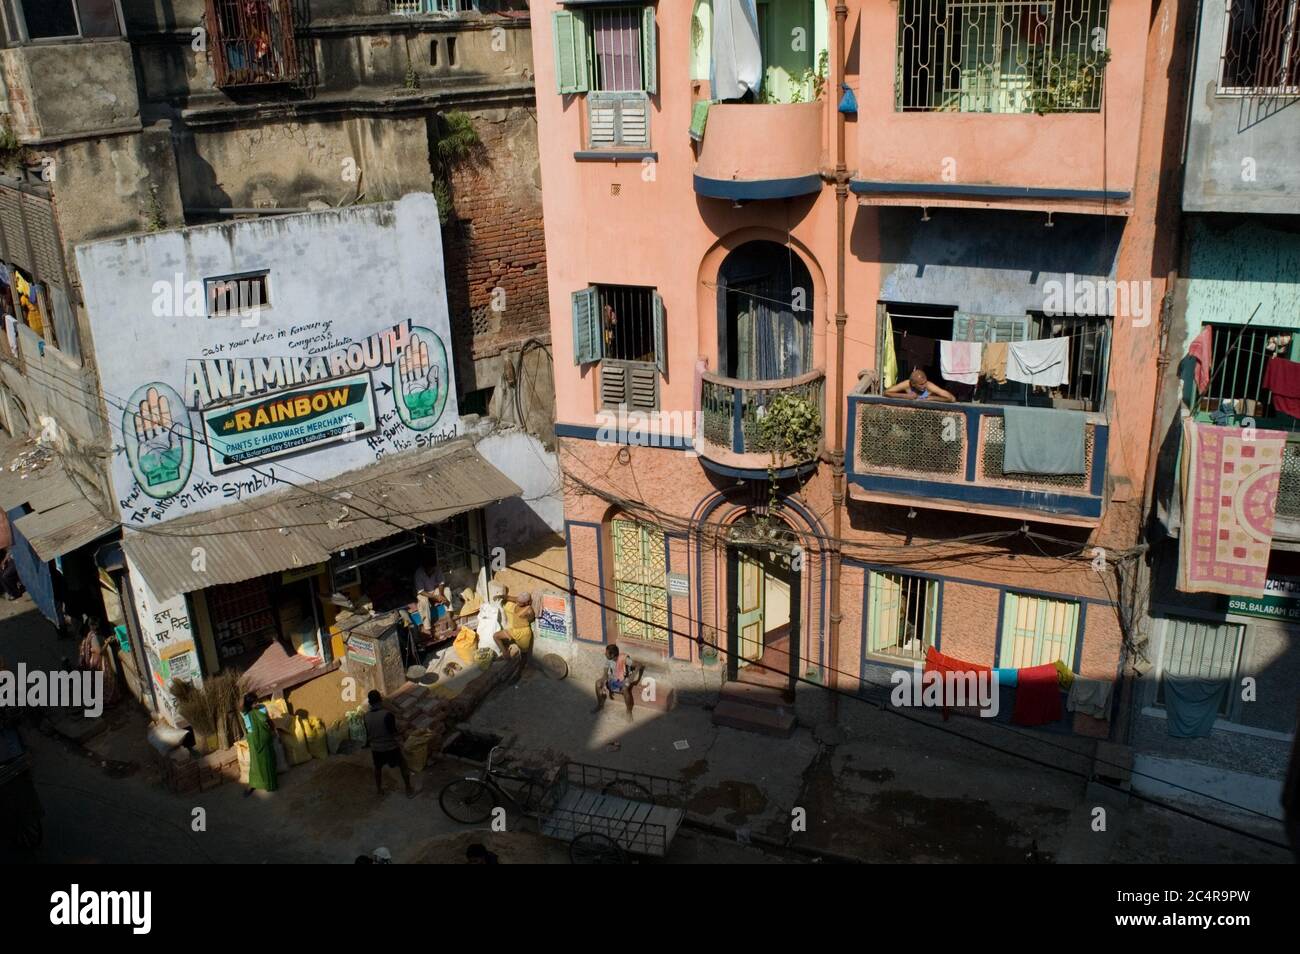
730	410
760	151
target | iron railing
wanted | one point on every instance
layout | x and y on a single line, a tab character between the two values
1261	47
1001	56
416	7
252	42
732	409
1241	355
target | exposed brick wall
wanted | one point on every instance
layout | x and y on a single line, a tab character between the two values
495	239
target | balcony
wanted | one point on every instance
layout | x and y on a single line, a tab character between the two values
730	411
251	42
949	457
1286	524
760	151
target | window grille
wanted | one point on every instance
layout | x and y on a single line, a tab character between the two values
902	614
252	42
640	579
1201	651
1037	631
1240	357
993	452
1261	47
1017	56
920	440
414	7
1089	356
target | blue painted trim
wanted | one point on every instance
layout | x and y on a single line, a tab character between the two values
1079	637
1100	447
600	578
938	624
596	155
758	189
756	473
982	494
868	187
997	634
586	432
972	444
668	568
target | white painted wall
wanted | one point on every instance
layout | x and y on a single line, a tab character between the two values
336	279
526	461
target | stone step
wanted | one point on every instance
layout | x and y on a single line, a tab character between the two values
750	694
747	718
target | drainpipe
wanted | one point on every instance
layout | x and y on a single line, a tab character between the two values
836	452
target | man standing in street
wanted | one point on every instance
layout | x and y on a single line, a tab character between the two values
385	747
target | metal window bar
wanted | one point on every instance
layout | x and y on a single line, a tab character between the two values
415	7
906	615
1261	47
1001	56
1201	651
1241	355
616	49
1089	358
252	42
627	321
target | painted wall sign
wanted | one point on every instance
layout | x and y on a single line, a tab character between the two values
362	649
346	362
553	621
286	422
678	584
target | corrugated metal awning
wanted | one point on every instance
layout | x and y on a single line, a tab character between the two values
60	518
300	527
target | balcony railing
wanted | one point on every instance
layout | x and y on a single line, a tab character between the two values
252	42
731	410
922	451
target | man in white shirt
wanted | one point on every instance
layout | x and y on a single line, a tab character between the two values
430	590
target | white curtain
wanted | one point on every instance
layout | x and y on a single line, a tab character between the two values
737	54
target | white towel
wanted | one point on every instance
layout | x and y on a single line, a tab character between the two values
1045	362
960	360
11	330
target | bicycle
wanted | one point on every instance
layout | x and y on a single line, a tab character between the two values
470	801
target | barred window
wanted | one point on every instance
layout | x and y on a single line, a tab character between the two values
902	614
1261	47
50	19
1006	56
1240	356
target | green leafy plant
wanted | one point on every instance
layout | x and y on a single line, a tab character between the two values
1068	83
155	219
12	152
790	428
458	145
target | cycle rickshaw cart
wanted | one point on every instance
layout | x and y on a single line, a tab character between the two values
603	814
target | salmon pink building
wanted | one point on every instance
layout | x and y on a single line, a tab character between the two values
763	219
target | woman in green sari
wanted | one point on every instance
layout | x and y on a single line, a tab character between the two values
261	746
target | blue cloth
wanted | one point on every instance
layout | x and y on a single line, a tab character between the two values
1192	705
1007	677
1043	440
848	102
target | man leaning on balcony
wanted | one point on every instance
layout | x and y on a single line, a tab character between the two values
918	387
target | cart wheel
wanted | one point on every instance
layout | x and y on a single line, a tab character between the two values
554	666
467	800
627	788
30	832
593	848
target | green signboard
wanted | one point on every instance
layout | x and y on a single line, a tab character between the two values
1281	600
289	421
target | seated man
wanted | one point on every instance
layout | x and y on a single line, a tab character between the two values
620	677
430	590
918	387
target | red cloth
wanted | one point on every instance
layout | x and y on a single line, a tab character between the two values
1282	377
1202	350
936	661
1038	696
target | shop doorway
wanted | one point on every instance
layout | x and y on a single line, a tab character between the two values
763	625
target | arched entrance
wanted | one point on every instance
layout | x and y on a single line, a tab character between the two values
765	580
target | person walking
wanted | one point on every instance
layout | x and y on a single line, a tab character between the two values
385	747
261	746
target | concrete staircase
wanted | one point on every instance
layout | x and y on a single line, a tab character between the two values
754	708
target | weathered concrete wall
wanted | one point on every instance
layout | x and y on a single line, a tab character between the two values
291	164
1241	149
62	89
537	472
351	293
1243	269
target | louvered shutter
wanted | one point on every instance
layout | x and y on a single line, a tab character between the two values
602	121
613	385
588	343
643	387
569	28
661	340
649	44
618	119
989	328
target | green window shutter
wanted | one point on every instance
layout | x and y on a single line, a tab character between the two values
989	328
570	30
588	343
661	339
1009	328
649	45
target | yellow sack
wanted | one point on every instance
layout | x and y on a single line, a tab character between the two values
276	709
295	743
466	644
316	743
241	753
416	749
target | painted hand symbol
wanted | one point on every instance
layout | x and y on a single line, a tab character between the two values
160	452
420	380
